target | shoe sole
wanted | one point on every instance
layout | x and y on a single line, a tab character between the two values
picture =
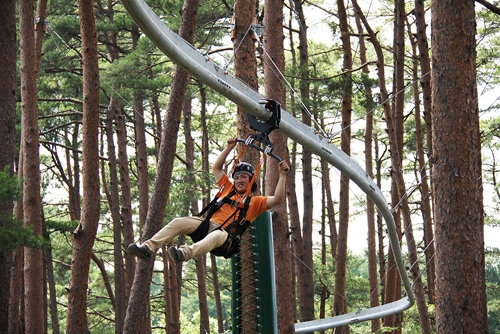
133	249
172	252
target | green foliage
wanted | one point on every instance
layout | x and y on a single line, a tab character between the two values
12	232
493	289
10	189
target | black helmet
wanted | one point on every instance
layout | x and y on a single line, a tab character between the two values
243	167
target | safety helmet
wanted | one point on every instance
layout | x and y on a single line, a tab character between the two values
245	168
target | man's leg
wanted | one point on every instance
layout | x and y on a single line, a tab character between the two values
212	240
183	225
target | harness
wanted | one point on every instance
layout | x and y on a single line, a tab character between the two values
235	225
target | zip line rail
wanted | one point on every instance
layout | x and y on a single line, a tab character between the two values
185	55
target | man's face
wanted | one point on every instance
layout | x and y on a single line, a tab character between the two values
241	182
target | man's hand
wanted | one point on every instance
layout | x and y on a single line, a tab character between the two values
217	168
283	168
231	142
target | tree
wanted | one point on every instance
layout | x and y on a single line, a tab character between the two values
273	43
245	63
340	302
370	207
84	235
139	295
7	141
459	234
33	257
304	242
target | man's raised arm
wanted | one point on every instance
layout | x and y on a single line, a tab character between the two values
218	167
279	192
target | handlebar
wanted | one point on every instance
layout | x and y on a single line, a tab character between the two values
267	150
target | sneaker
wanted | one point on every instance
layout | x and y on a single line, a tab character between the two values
175	254
142	252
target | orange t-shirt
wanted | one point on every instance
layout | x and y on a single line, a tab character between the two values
257	204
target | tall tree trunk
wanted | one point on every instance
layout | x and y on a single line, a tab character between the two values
84	235
458	192
305	279
7	140
141	147
113	196
273	43
370	207
425	207
400	188
246	70
201	262
425	70
16	305
398	128
382	263
51	282
425	81
297	243
126	197
340	302
139	296
33	258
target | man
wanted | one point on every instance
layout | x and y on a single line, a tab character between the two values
216	236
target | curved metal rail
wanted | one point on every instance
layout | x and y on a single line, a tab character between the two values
185	55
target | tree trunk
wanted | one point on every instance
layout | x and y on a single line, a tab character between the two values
273	43
340	301
425	81
7	140
399	187
425	70
246	70
141	160
33	258
370	207
126	197
51	282
113	196
458	192
305	278
425	207
16	306
382	263
139	295
84	235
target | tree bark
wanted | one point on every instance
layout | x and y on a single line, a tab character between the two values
425	206
113	195
340	301
139	296
7	140
457	183
51	282
273	43
399	187
84	235
425	82
370	207
126	197
245	64
304	250
33	258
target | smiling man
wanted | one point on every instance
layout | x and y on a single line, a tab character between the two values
234	213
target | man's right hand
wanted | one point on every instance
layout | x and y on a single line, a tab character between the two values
231	142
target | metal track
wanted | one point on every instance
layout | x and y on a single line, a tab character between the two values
185	55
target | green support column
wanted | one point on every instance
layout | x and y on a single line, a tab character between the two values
265	283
